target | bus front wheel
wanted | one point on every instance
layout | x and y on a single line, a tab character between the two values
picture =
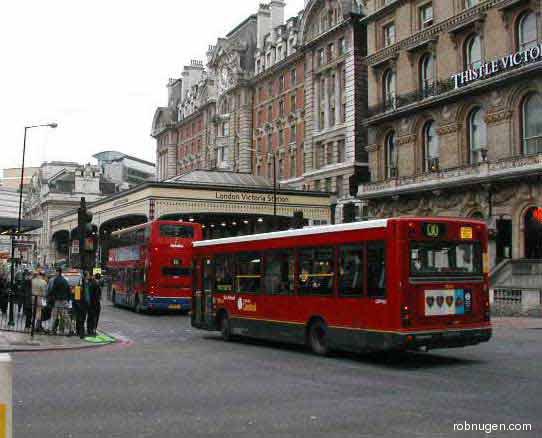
225	329
317	337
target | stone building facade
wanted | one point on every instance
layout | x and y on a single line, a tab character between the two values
455	98
274	92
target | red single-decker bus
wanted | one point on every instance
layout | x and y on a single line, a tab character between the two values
151	265
389	284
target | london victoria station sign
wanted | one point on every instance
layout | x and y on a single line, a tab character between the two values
491	68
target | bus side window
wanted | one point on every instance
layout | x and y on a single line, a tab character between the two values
316	271
351	270
249	272
376	269
224	265
279	272
208	275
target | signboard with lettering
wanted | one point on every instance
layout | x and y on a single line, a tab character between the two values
488	69
251	197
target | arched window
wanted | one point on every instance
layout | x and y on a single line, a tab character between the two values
532	124
473	52
426	74
526	31
389	89
430	147
391	156
477	136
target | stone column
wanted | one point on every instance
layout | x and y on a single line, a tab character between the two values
326	101
338	105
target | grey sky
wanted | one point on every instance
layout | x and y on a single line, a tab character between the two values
99	68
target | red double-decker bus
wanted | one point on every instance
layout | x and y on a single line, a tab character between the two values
151	265
390	284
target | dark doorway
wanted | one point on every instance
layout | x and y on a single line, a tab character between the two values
533	233
504	239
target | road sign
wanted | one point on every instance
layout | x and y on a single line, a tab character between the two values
75	246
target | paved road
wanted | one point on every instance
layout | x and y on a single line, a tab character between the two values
167	380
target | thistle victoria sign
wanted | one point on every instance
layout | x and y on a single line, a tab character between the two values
504	63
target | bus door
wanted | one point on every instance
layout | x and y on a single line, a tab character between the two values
202	287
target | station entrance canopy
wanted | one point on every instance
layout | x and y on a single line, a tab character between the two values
217	199
8	225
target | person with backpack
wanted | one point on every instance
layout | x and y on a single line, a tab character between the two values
59	295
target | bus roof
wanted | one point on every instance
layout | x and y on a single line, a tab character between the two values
147	224
307	231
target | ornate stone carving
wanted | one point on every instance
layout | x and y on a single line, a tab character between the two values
448	129
498	116
371	148
405	139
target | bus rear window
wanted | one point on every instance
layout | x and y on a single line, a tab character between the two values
176	271
429	259
179	231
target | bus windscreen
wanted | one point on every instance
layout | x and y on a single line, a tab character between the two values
429	259
178	231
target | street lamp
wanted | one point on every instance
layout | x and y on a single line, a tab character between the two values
19	217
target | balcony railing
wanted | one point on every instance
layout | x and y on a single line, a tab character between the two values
401	100
458	175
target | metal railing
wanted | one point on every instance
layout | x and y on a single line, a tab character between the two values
33	314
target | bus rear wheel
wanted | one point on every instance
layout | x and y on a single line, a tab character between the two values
137	307
225	329
317	338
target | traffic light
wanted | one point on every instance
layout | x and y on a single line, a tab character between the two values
349	212
298	221
87	234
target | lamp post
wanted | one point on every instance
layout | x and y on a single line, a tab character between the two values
274	182
19	217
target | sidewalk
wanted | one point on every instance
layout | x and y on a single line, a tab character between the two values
520	322
12	342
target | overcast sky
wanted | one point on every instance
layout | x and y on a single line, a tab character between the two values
98	68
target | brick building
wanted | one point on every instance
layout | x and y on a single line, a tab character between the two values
455	97
275	95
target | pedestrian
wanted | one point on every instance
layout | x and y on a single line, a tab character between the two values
92	297
39	290
81	304
59	296
27	298
100	282
3	294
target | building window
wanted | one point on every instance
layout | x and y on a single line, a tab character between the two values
281	108
258	66
426	15
293	166
293	133
471	3
339	186
270	90
473	52
225	129
477	136
527	32
342	46
426	74
281	83
281	137
292	103
270	142
389	89
430	147
389	34
391	156
532	124
340	151
293	77
321	57
330	52
270	113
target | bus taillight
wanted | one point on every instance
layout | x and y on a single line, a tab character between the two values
405	316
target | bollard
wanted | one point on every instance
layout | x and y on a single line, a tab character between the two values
6	413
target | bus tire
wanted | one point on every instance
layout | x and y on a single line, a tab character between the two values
317	337
225	328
